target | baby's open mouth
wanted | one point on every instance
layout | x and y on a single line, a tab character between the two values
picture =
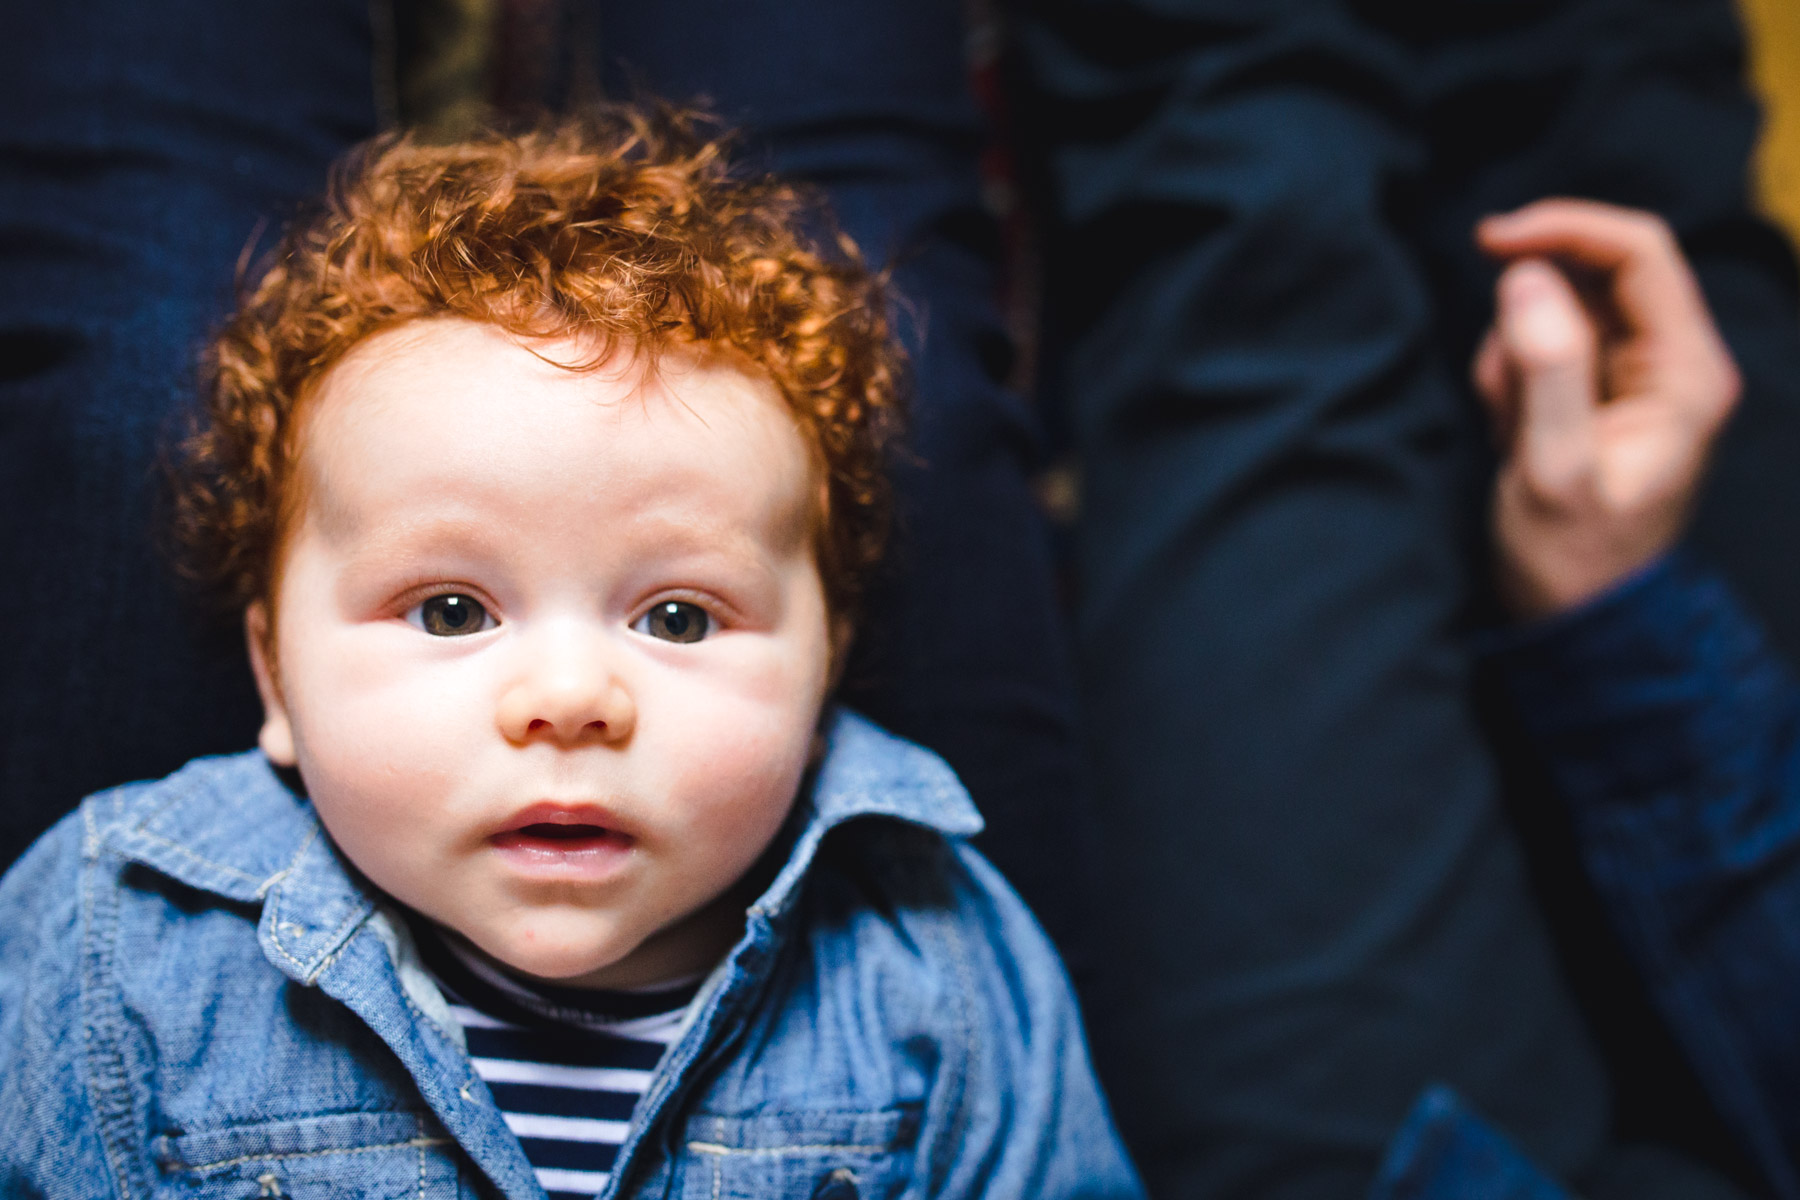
560	833
564	833
559	837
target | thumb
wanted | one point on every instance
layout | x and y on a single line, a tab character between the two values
1549	344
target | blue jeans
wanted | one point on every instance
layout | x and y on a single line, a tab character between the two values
143	146
1262	298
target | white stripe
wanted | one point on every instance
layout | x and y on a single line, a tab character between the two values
609	1079
555	1179
567	1129
472	1018
661	1028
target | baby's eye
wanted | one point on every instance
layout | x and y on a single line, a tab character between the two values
450	615
675	621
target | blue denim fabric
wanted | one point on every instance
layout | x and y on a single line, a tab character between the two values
199	998
1674	732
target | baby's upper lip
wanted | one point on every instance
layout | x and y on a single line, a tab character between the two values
555	812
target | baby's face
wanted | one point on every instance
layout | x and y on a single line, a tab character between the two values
549	647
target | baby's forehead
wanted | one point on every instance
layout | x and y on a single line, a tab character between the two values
444	352
448	412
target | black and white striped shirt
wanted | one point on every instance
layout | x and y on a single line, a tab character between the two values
566	1066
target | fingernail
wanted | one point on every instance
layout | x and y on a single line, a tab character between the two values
1529	278
1540	322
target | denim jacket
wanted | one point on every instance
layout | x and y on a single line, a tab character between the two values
200	998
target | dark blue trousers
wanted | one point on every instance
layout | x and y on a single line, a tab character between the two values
1261	303
141	147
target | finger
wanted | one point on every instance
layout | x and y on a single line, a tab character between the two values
1651	286
1496	384
1549	345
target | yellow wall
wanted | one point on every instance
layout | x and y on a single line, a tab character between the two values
1775	70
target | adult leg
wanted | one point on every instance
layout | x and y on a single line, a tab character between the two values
963	649
140	147
1641	104
1313	905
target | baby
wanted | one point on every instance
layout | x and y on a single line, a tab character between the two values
547	472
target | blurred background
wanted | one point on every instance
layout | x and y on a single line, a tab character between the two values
1775	71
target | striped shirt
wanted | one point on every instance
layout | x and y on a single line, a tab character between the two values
566	1066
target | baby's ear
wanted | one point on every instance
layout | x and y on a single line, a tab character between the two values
277	736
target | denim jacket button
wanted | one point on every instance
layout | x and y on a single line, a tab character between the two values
839	1185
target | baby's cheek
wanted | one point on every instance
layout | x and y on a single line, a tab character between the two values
388	712
740	787
377	762
374	747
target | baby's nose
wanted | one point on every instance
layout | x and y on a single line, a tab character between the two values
568	694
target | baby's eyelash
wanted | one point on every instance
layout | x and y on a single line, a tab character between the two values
415	594
719	610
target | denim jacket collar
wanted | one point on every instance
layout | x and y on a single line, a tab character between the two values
232	828
867	772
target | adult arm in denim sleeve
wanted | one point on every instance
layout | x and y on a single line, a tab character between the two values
1025	1117
1674	732
49	1144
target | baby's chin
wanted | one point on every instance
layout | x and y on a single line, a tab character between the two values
573	946
563	954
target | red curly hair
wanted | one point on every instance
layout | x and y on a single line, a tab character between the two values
625	228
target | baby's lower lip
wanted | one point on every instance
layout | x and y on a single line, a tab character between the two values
579	850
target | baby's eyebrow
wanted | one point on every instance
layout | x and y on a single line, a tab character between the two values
690	550
423	533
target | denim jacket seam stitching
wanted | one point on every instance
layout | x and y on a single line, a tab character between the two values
718	1165
720	1150
310	976
338	938
470	1075
342	936
106	1076
951	937
268	885
90	833
420	1141
158	806
194	856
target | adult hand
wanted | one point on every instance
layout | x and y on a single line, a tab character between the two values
1608	383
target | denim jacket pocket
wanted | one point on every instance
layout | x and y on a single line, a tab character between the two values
345	1156
798	1155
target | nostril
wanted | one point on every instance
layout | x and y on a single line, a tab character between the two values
546	727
